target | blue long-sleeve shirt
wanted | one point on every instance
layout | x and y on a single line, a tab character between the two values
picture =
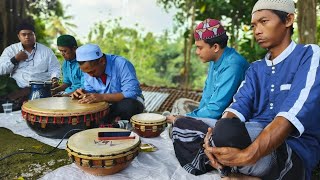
288	86
121	78
72	75
223	80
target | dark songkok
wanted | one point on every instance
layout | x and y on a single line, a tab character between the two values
25	26
67	40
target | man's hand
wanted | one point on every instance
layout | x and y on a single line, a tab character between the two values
21	56
91	98
78	94
208	151
54	91
173	118
55	82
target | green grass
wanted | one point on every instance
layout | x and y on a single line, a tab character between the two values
27	166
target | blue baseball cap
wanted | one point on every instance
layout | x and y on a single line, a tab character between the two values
88	52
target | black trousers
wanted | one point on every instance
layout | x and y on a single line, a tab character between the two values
124	109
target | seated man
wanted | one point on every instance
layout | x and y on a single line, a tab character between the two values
72	74
109	78
281	93
23	62
226	70
239	135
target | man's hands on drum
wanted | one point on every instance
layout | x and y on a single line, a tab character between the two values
91	98
84	97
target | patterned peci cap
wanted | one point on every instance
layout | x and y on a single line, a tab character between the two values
208	29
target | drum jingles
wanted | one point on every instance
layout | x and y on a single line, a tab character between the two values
40	89
148	124
54	116
101	157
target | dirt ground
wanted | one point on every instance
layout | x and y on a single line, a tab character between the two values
27	166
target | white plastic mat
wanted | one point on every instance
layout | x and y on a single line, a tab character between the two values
159	165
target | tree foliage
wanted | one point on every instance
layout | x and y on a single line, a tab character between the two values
158	60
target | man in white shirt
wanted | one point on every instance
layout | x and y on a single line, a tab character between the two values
23	62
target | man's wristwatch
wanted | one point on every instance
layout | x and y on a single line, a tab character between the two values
14	60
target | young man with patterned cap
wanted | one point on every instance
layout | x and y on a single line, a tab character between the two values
72	74
109	78
225	73
281	93
23	62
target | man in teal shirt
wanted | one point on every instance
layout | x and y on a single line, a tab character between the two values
226	70
72	74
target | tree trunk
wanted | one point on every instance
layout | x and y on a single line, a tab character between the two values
307	21
12	12
189	47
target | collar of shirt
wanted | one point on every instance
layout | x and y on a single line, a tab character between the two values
282	56
21	48
72	61
217	63
108	69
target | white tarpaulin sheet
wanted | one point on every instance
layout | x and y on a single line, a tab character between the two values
159	165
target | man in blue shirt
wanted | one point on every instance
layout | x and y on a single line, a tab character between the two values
109	78
72	74
226	70
281	93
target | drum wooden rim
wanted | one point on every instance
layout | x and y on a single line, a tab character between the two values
61	107
89	149
104	157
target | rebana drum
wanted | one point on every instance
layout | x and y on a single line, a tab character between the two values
54	116
102	157
148	124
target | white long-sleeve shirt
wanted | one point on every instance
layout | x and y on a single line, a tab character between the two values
41	65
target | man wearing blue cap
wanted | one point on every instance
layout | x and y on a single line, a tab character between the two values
72	74
109	78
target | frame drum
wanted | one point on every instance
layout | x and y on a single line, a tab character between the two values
54	116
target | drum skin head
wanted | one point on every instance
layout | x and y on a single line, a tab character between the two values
87	143
148	118
61	106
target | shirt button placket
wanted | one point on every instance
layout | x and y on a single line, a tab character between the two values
271	100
